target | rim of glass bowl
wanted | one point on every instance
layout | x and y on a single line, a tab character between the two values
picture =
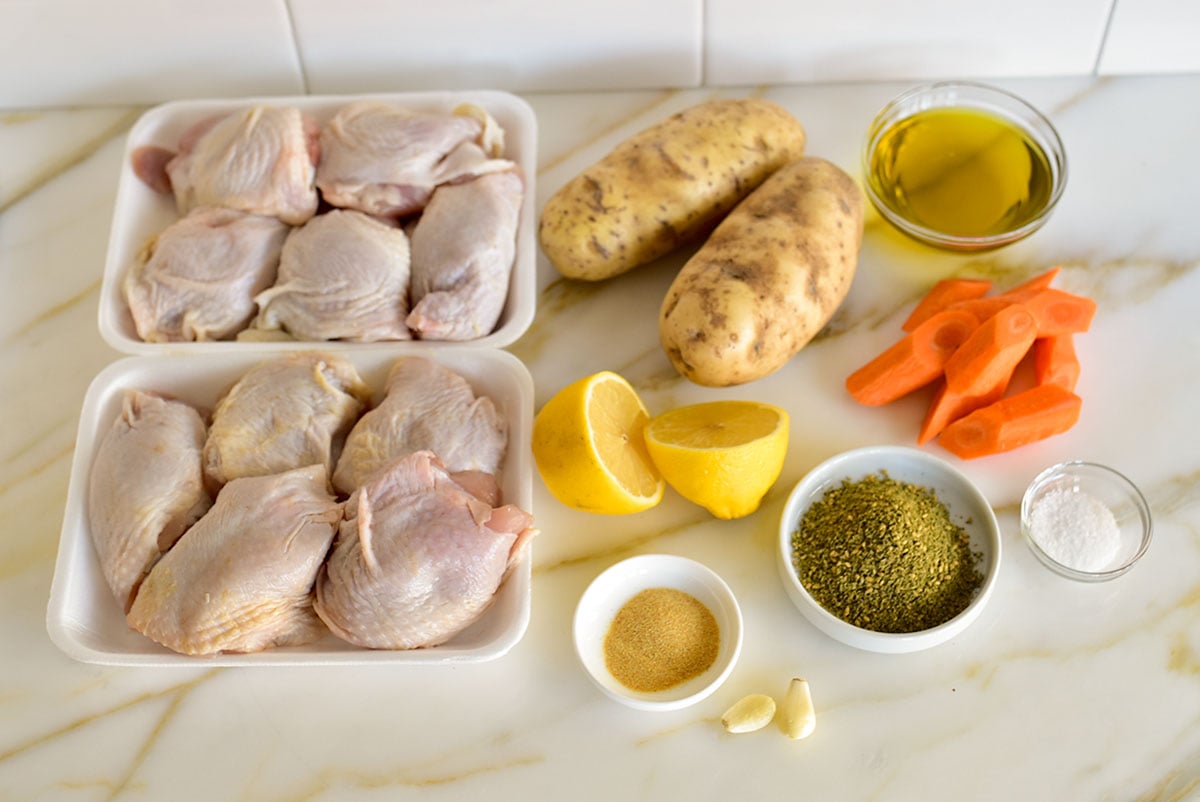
947	94
1135	495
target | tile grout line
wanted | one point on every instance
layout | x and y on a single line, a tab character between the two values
291	21
1112	12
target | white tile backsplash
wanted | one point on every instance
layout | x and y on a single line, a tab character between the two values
1150	36
785	41
82	52
517	45
78	52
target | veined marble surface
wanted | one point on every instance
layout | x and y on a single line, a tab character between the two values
1061	691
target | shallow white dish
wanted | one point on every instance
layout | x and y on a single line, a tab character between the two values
140	212
86	622
968	508
609	591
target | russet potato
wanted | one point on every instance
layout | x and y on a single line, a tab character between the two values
666	186
768	278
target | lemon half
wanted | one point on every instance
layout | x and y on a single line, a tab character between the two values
589	447
722	455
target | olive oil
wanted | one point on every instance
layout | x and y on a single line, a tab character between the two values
961	172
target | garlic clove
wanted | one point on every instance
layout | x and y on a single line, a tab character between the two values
749	713
797	718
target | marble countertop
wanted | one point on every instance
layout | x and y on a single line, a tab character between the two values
1060	691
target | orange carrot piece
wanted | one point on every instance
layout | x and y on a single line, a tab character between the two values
913	362
1018	420
1055	361
1058	312
948	406
983	308
991	354
1042	281
944	293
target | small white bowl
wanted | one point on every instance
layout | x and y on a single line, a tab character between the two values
618	584
968	508
1131	515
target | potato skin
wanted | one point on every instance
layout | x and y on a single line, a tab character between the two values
768	279
666	186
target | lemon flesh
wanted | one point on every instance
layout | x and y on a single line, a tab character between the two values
722	455
590	449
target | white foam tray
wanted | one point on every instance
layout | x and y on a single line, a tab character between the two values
140	212
86	622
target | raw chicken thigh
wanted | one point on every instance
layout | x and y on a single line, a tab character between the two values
462	256
241	579
146	488
342	276
386	160
260	160
198	278
418	558
284	414
427	406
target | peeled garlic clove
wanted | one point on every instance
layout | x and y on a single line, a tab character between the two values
797	718
749	713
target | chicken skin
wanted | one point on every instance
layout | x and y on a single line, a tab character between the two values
146	488
241	579
418	558
284	414
427	407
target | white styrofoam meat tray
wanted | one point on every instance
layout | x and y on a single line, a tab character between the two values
140	212
86	622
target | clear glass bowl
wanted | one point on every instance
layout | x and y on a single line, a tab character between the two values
963	94
1128	506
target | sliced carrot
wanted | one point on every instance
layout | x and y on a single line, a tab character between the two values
914	361
983	308
1055	361
948	406
1041	281
944	293
992	352
1018	420
1058	312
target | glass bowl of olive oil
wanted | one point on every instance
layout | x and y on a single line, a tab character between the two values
963	166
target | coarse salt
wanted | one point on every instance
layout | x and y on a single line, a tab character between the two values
1075	529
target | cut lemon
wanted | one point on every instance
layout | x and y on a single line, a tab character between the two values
723	455
589	446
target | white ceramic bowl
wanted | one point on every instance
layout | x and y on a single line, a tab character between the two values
140	212
87	624
968	508
614	587
1131	514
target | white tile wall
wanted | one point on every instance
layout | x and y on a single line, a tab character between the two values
92	52
76	52
516	45
784	41
1148	36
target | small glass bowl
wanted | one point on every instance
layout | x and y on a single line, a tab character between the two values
1115	491
964	94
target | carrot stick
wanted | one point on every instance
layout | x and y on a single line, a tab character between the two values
983	308
948	406
913	362
1055	361
1041	281
1058	312
991	354
944	293
1018	420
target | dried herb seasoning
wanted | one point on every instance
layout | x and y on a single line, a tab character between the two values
884	555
